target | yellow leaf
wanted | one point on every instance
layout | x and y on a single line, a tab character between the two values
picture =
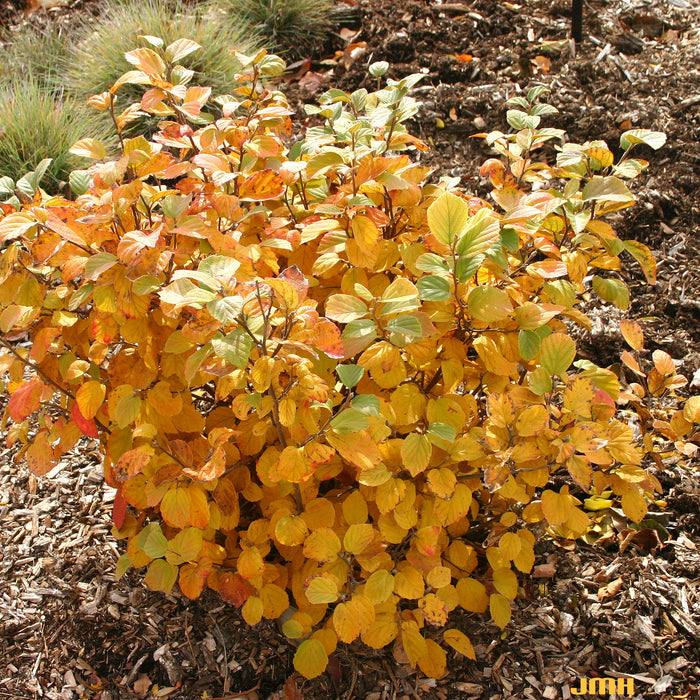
505	582
355	508
382	632
252	610
415	453
408	582
442	482
322	545
294	466
434	610
146	60
472	595
632	333
89	148
358	537
310	659
261	374
346	623
525	558
357	448
90	397
634	505
275	600
185	506
460	642
691	409
489	304
291	530
557	507
438	577
379	586
500	609
413	641
361	608
532	420
509	545
250	564
433	662
581	470
287	412
322	589
578	396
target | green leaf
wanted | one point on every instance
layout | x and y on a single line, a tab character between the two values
98	264
528	344
378	68
434	288
441	431
234	347
345	308
176	343
406	325
653	139
467	267
612	290
185	546
183	292
145	285
350	375
79	181
510	239
80	295
607	189
432	264
367	404
447	217
161	576
220	267
225	310
123	565
349	421
480	233
357	335
180	48
520	120
7	186
557	352
152	541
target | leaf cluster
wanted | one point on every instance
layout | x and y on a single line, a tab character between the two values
323	387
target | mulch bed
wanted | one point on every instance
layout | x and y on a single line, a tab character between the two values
628	607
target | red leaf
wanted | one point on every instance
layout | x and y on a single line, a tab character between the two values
295	277
25	400
326	337
87	427
119	509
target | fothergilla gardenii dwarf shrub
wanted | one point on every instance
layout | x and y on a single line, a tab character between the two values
322	387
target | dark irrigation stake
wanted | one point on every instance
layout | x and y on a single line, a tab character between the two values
577	20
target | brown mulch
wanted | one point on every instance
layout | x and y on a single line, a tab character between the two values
628	607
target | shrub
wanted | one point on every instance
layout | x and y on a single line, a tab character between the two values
97	59
324	388
293	27
36	124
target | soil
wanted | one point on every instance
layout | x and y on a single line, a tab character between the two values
627	607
